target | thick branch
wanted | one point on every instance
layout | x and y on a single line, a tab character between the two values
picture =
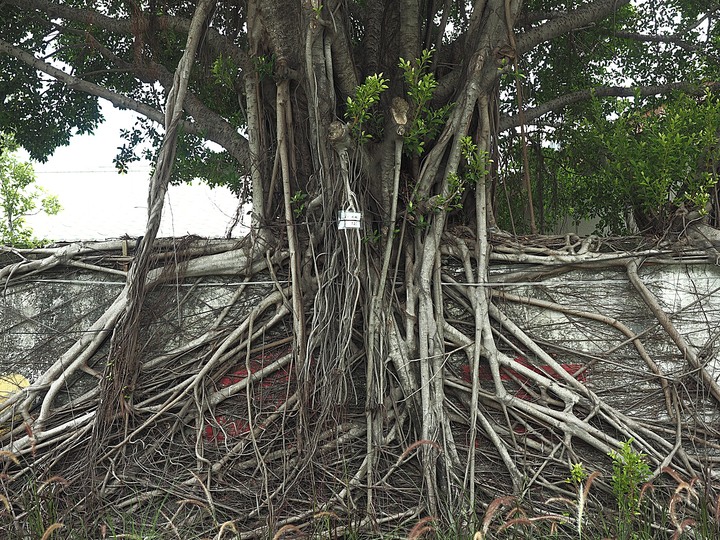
281	23
588	14
372	17
207	124
75	83
409	29
509	122
91	17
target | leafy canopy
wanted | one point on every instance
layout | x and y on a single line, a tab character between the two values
647	163
127	51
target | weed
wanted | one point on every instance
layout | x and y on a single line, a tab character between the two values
630	472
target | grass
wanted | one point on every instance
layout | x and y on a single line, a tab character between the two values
672	508
673	511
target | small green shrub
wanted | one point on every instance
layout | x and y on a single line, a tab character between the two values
630	472
360	110
426	121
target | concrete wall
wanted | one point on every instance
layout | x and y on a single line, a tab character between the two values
688	293
41	316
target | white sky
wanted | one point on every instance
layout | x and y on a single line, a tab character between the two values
98	203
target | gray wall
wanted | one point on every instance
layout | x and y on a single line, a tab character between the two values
41	316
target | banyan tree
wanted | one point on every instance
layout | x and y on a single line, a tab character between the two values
375	364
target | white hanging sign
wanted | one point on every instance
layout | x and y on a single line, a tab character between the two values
349	220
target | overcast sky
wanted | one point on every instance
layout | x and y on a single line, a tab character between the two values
98	203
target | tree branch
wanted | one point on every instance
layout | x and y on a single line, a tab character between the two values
372	17
120	101
509	122
207	124
654	38
346	78
53	11
587	14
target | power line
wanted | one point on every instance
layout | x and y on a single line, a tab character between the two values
97	171
122	283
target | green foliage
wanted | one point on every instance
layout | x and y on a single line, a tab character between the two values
630	472
264	65
297	201
420	81
474	168
373	237
601	55
317	10
196	161
476	162
426	121
452	199
577	474
416	216
648	161
360	110
19	197
42	113
224	70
